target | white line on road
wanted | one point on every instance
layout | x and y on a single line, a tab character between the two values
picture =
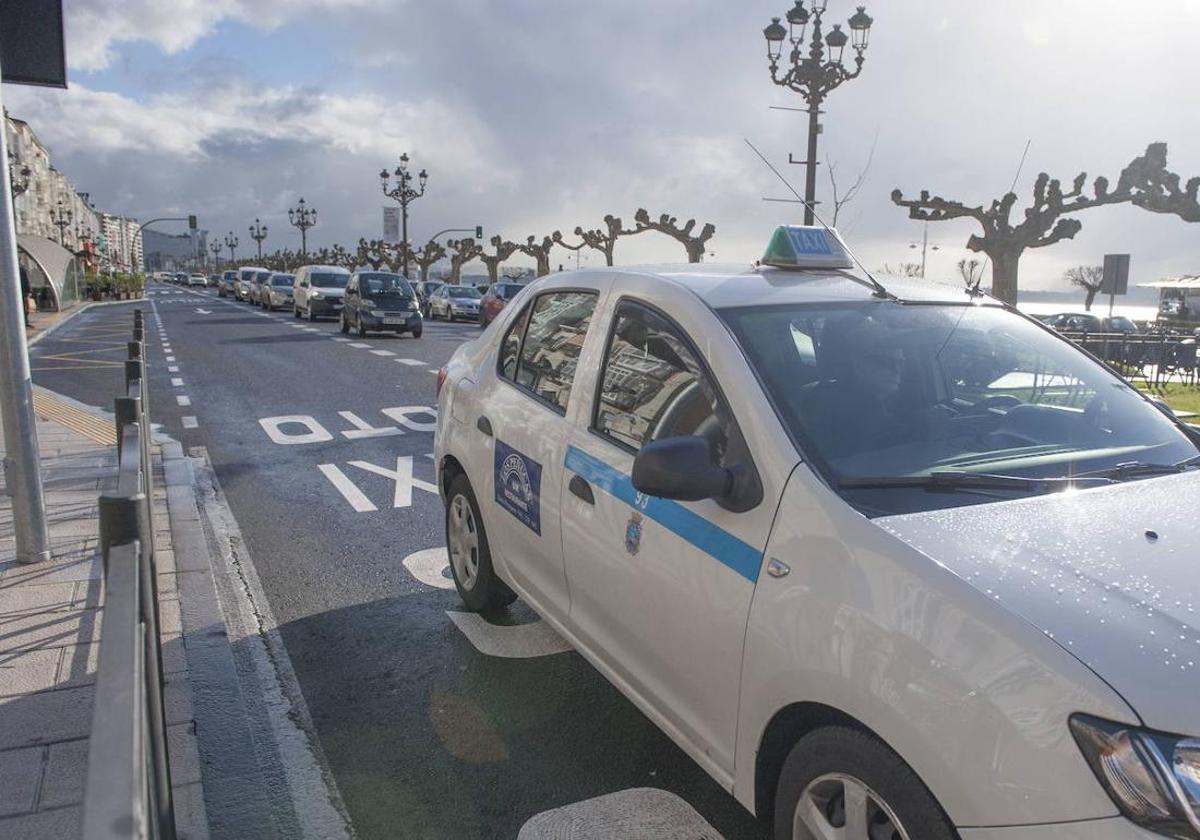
359	344
182	400
176	382
170	358
311	329
346	487
383	353
434	370
412	362
342	340
362	429
172	368
189	422
204	311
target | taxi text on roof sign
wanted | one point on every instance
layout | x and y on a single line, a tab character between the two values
798	246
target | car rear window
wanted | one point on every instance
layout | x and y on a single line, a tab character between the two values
329	280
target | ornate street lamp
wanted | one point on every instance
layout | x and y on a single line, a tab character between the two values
303	217
404	192
231	242
258	232
215	247
62	221
816	74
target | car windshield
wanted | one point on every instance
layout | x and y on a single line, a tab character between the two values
262	276
375	285
463	292
282	279
329	280
508	291
892	391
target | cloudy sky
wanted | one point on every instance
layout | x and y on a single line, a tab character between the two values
532	115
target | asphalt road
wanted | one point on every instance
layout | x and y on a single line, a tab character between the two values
435	724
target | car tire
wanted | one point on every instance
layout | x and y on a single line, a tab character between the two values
295	311
362	331
822	765
342	325
416	333
470	559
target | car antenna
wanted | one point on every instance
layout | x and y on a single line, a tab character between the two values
880	291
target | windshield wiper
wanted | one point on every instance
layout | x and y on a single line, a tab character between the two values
1137	469
949	481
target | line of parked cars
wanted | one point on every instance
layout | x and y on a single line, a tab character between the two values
365	300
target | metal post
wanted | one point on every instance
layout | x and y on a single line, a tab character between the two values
22	479
404	238
810	176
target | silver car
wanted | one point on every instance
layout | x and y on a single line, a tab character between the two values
455	302
277	292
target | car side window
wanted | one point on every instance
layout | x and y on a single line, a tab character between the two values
558	325
510	347
653	386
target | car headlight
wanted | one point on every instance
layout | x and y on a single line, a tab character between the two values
317	296
1154	778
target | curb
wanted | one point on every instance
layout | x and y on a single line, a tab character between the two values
79	311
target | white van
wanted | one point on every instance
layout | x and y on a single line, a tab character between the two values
319	290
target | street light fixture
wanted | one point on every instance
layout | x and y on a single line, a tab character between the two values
231	242
814	76
215	247
924	246
62	221
404	192
258	232
303	217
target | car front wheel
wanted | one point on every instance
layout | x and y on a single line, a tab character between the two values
470	559
842	782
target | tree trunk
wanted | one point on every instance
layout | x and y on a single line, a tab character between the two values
1004	275
1087	301
543	264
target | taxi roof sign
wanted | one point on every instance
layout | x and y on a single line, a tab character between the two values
805	246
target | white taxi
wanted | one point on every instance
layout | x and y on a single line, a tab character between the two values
888	561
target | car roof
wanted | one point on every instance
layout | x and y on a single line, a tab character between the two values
728	285
335	268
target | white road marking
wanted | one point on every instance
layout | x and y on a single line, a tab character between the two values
189	422
359	344
401	415
412	362
342	340
297	326
203	311
172	368
316	432
346	487
182	400
511	641
362	429
382	353
403	478
170	358
644	813
430	567
434	371
311	329
176	382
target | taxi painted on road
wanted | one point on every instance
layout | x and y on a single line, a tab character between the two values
887	560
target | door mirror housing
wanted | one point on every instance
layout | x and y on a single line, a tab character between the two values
682	468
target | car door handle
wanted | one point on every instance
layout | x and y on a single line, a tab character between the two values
484	425
581	489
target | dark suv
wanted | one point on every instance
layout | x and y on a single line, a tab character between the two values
380	301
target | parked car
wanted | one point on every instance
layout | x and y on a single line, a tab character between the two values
180	278
887	563
1075	322
318	291
197	280
380	301
425	290
276	293
228	287
258	291
496	298
454	302
214	280
1119	324
246	281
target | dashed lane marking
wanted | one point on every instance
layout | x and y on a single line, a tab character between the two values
341	340
412	362
170	358
172	368
176	382
189	422
360	345
382	353
182	400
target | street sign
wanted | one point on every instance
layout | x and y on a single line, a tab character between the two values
191	222
479	231
31	43
391	225
1116	275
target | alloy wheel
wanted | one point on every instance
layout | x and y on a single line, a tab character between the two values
462	536
837	806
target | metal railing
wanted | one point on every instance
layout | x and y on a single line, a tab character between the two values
1156	358
128	792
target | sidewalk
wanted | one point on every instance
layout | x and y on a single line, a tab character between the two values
50	618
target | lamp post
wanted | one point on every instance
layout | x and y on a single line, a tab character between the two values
215	247
814	76
231	242
18	175
62	221
258	232
303	217
924	246
404	192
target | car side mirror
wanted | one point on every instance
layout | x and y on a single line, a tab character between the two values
682	468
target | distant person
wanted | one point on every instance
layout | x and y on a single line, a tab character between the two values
26	295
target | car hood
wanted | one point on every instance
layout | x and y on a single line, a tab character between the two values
1111	573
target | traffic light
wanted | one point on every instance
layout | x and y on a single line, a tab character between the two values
479	231
191	222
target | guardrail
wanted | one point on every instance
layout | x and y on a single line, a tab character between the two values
128	791
1156	358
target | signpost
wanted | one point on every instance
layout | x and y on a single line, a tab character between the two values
1116	278
391	225
31	53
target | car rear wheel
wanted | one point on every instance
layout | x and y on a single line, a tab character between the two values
841	782
342	325
416	333
470	560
